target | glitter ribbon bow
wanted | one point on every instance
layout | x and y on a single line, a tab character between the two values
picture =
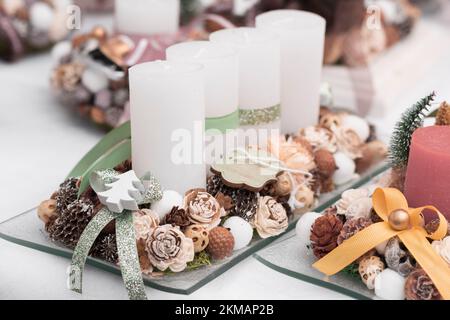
126	241
398	220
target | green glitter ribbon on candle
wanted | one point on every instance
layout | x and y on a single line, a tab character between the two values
126	239
259	116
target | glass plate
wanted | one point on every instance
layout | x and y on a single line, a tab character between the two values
27	230
287	256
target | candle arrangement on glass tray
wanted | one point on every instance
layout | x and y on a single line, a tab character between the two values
32	26
396	244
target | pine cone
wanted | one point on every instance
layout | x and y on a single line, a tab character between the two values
178	217
324	234
67	228
443	115
420	287
244	202
67	193
124	166
225	201
221	243
106	248
352	227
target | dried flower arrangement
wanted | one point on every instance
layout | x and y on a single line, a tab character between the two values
30	26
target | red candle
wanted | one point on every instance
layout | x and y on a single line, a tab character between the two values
428	174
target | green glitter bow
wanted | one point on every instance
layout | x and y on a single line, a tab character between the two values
259	116
126	240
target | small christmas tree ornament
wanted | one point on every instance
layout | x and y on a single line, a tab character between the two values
411	120
221	243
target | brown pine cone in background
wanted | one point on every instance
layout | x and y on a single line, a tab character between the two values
325	162
225	201
244	202
71	222
105	247
324	234
443	114
178	217
66	194
352	227
419	286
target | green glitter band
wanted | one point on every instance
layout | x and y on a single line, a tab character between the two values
87	239
128	257
228	122
259	116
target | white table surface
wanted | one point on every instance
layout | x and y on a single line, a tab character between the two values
40	142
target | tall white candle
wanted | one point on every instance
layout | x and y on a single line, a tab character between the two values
259	67
167	123
147	17
302	36
221	79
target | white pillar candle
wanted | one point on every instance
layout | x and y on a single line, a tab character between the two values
302	36
147	17
259	68
167	123
221	79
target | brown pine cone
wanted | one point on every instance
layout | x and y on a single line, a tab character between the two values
326	164
66	194
324	234
178	217
67	228
105	248
221	243
420	287
443	115
352	227
225	201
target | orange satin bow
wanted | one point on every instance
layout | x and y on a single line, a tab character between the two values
414	238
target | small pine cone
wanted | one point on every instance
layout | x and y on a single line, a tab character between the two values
214	185
324	234
67	228
225	201
443	115
352	227
245	204
221	243
124	166
106	248
178	217
398	176
420	287
67	193
326	164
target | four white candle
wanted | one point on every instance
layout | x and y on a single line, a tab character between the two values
147	17
167	103
221	78
259	66
302	36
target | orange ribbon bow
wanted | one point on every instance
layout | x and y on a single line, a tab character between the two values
390	203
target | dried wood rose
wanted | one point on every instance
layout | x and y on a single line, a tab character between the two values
202	208
420	287
270	218
168	247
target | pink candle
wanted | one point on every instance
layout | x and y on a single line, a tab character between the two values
428	173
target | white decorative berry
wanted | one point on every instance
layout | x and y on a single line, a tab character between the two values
303	227
390	285
124	193
41	16
241	230
169	200
94	81
357	124
61	50
345	168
